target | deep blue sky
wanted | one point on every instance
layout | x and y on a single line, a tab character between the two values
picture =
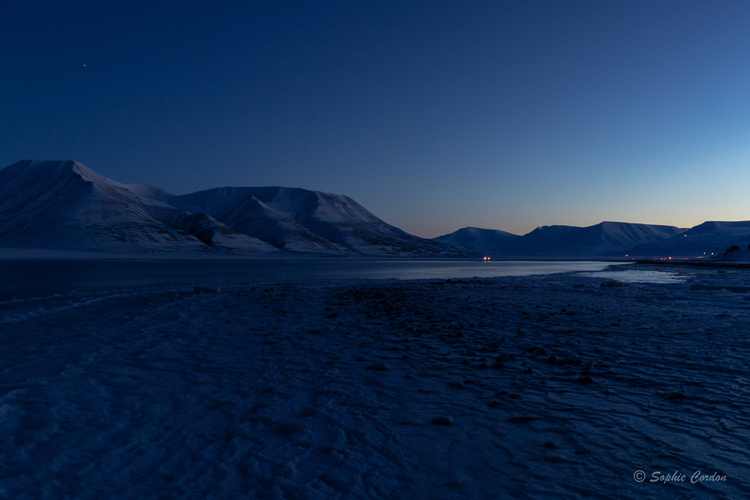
433	115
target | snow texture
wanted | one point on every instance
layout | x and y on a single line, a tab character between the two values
558	386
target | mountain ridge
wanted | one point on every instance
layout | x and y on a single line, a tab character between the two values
605	240
66	205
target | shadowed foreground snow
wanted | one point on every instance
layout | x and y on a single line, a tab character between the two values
331	390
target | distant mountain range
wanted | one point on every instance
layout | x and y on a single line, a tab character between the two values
710	239
604	240
66	205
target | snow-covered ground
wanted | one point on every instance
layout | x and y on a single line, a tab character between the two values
553	386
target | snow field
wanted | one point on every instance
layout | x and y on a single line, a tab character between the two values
330	390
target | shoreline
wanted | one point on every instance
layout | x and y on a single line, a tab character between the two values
696	263
11	253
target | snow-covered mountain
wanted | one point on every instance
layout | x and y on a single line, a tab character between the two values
66	205
606	239
603	239
705	240
307	221
474	240
609	239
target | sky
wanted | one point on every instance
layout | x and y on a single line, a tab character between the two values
434	115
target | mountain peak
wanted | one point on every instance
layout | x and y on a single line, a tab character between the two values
66	205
